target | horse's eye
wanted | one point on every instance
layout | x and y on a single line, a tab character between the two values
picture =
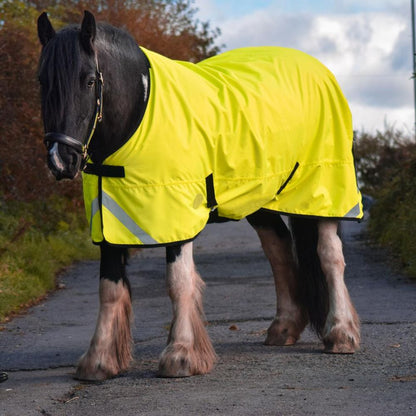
91	83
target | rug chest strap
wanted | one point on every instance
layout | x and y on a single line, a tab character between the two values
109	171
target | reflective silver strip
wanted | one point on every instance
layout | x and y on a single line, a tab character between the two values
95	207
354	212
126	220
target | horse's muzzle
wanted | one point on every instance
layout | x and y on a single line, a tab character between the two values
65	155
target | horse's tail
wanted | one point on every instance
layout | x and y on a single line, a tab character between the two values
313	288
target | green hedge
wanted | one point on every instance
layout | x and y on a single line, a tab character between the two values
393	217
386	168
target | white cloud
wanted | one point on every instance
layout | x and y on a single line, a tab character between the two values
364	57
207	10
369	118
367	47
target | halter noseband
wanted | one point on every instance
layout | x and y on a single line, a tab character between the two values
76	144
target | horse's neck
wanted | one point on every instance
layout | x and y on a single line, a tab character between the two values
124	108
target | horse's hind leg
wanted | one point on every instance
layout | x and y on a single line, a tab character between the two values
341	333
189	350
291	318
110	349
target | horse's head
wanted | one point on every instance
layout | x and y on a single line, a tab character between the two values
71	93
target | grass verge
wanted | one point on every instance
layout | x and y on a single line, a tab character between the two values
37	240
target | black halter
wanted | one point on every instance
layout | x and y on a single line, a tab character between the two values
78	145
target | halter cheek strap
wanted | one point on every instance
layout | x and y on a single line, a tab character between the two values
98	116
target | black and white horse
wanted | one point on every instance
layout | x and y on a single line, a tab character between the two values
307	260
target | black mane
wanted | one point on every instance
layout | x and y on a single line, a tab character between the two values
59	62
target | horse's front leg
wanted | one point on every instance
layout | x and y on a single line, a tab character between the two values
189	350
342	327
110	349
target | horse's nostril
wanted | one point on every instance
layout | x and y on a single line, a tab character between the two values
55	158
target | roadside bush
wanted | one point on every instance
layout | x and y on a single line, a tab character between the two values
386	169
393	216
379	157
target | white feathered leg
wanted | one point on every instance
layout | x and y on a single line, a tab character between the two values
110	349
342	328
189	350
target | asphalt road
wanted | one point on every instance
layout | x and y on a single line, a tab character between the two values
39	350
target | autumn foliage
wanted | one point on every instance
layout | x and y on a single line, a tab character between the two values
165	26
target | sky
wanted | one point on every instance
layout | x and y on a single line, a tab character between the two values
367	44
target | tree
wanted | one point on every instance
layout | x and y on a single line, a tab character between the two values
165	26
22	155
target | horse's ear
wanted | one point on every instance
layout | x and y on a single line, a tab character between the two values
88	32
45	30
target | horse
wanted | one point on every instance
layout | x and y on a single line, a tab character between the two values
98	88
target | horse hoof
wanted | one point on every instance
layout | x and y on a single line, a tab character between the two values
97	372
340	347
179	361
90	369
283	333
98	375
342	337
176	361
175	369
339	350
339	342
282	339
